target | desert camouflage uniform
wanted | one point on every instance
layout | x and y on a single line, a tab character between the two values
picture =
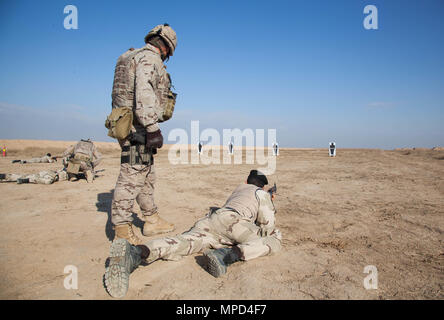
43	177
141	83
44	159
87	154
134	183
246	220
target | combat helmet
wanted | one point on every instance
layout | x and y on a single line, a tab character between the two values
166	33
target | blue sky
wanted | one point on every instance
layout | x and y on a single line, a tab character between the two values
308	69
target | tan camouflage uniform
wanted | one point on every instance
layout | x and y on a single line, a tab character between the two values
84	150
44	159
246	220
140	82
43	177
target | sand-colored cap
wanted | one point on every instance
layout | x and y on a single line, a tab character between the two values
166	33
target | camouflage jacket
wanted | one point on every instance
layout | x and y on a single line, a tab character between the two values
44	159
141	82
254	205
86	148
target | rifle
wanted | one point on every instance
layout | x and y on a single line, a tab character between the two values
272	190
56	157
97	171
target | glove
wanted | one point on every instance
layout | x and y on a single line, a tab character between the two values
154	140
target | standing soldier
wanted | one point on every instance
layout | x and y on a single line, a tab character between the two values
4	151
142	84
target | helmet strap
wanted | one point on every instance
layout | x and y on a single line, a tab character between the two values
159	43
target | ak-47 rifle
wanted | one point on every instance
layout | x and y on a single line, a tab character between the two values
56	157
272	190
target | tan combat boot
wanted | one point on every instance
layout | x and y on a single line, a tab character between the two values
125	231
154	224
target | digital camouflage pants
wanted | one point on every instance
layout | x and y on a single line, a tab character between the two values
218	229
135	182
43	177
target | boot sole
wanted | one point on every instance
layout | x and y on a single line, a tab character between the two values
212	265
116	276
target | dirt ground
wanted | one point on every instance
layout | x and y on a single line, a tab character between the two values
337	215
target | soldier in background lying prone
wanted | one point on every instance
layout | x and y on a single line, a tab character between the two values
43	177
45	159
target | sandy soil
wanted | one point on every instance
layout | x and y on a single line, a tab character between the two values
337	215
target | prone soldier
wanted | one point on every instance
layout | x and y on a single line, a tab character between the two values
45	159
243	229
43	177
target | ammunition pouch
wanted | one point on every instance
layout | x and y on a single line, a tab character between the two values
82	157
73	167
136	154
169	106
166	109
75	163
119	122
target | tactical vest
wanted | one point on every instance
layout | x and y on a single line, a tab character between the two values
85	149
124	86
83	152
124	75
244	201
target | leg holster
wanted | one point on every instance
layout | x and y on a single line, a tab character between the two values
136	154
